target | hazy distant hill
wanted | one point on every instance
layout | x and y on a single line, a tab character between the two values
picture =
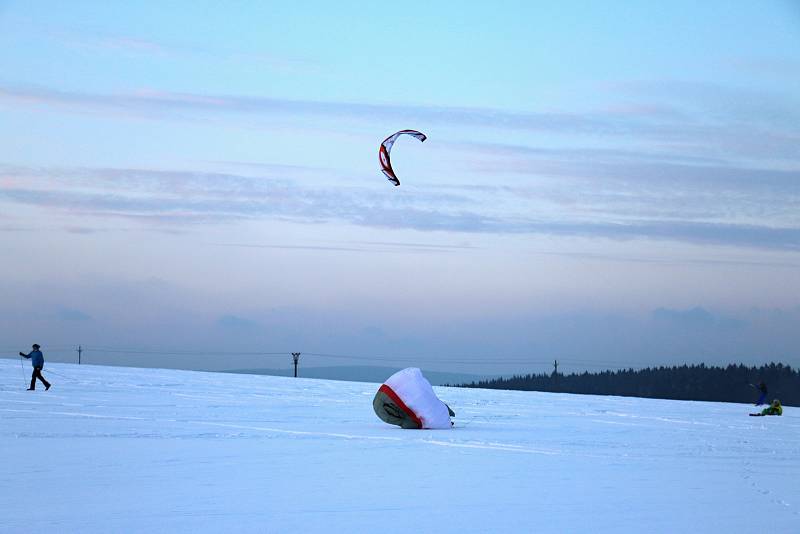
364	374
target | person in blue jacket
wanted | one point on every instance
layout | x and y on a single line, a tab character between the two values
37	361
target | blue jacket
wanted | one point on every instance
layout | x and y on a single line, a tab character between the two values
36	357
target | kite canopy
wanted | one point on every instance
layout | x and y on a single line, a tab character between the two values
386	149
407	400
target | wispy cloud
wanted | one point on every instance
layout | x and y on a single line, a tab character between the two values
137	45
695	121
96	40
15	228
295	247
716	261
694	232
172	199
235	322
158	104
781	67
714	101
359	246
646	184
71	314
421	246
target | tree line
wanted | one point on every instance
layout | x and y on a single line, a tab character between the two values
734	383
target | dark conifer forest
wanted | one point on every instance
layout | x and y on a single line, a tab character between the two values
734	383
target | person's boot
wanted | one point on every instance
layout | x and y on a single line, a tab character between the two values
31	389
46	387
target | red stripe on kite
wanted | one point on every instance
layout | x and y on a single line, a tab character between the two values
400	404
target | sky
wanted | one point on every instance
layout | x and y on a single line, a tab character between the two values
196	184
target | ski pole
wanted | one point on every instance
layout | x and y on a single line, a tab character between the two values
22	368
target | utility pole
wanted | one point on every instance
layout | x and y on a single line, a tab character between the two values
555	375
296	358
79	354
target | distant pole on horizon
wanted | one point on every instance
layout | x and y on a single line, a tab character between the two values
79	354
555	374
296	358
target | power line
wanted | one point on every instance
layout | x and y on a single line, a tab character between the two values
464	359
454	359
49	349
183	352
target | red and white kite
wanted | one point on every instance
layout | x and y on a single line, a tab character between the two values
407	400
386	148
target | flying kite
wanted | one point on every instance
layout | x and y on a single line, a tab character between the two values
386	148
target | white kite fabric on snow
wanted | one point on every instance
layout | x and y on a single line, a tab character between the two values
407	399
386	149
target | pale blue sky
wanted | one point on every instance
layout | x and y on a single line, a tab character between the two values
603	182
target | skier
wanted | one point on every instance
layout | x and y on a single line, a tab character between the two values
762	397
37	361
774	409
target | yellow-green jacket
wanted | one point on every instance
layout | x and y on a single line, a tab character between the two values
775	409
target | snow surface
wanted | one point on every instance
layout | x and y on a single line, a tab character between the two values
111	449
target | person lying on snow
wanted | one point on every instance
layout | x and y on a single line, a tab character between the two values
774	409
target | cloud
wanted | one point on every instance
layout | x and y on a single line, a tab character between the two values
695	317
624	165
14	228
781	67
159	104
692	232
419	246
365	246
159	316
169	199
116	42
295	247
86	37
622	186
155	104
70	314
715	101
234	322
671	261
693	121
81	230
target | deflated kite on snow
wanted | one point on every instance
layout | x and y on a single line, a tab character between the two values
407	400
386	148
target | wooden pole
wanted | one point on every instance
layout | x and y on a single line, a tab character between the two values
296	358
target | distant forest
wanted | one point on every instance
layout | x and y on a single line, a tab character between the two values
734	383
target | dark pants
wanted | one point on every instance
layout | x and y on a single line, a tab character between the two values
37	373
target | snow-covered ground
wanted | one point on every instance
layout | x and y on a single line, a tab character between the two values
112	449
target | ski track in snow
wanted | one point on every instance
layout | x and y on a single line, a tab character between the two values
163	450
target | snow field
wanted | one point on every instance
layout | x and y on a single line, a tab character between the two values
112	449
